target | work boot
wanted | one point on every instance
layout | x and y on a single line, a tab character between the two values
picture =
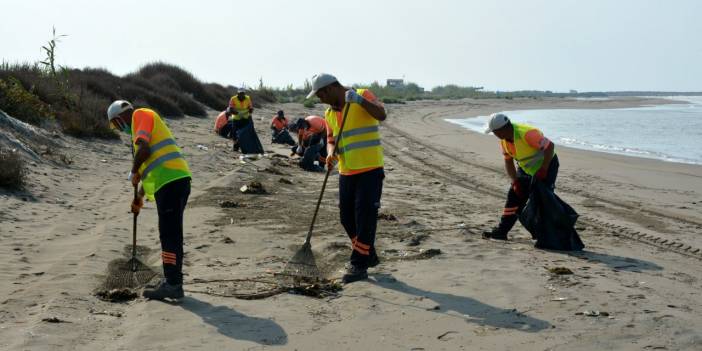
354	274
495	233
373	261
164	291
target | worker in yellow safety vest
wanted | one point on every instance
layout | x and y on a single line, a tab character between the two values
165	177
536	159
360	158
240	112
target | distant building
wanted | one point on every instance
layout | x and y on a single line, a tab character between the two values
395	83
573	91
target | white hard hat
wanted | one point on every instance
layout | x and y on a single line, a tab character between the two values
320	81
117	107
497	121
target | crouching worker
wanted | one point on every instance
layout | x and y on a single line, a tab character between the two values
312	142
535	157
164	176
279	130
360	157
223	126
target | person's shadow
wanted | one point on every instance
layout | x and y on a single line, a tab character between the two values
236	325
615	262
472	310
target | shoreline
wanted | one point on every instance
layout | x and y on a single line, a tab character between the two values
640	102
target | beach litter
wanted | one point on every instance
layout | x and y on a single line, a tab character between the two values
123	279
229	204
117	295
387	216
417	239
589	313
257	288
560	270
253	188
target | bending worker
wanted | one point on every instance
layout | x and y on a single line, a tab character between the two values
536	160
279	130
164	176
312	142
223	127
360	158
240	111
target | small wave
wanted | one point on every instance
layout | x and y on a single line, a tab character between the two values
572	142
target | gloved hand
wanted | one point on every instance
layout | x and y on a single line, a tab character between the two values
137	204
331	160
542	173
134	178
352	96
517	187
300	150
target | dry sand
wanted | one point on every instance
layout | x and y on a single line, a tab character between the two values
641	221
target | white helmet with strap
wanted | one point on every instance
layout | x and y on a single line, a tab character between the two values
116	108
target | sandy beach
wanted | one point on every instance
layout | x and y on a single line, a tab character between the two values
635	287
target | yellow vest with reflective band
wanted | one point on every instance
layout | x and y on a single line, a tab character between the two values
359	147
241	106
529	158
166	162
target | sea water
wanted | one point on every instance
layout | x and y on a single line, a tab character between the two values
666	132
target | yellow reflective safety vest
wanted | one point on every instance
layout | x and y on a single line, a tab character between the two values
241	106
528	157
166	162
359	148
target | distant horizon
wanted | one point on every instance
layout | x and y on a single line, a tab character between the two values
505	45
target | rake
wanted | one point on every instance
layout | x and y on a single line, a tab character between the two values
303	263
134	263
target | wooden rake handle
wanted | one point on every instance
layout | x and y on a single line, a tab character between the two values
347	107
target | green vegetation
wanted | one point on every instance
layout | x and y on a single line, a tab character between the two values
43	93
12	169
77	99
17	101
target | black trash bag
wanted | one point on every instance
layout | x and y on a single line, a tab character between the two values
248	140
283	137
311	154
550	220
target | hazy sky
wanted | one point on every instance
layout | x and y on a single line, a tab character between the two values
506	45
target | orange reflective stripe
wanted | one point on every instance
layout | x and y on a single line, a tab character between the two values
361	251
168	258
362	245
510	211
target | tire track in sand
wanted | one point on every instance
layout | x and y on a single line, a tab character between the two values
439	171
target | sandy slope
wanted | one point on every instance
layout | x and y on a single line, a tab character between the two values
443	184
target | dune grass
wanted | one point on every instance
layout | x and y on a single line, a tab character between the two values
12	169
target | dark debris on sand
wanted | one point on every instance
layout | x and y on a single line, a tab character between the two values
229	204
253	188
117	295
